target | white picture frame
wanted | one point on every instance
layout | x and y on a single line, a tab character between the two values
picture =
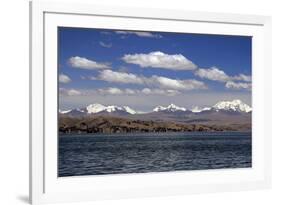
46	187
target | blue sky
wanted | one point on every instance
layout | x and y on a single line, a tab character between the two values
145	69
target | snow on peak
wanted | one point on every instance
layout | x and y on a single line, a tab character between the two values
129	110
159	108
234	105
112	108
197	109
172	108
64	111
69	111
96	108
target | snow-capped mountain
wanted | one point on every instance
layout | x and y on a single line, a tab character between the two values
197	109
169	108
64	111
74	112
159	108
222	113
129	110
97	108
234	105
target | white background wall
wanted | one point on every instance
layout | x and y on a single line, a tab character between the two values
14	100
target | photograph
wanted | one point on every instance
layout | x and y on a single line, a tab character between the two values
148	101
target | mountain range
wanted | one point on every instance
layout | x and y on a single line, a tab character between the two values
223	113
230	106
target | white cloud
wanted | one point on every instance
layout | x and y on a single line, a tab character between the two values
154	81
148	91
172	92
105	45
139	33
72	92
159	59
242	77
69	92
118	91
112	91
168	83
84	63
64	78
212	74
216	74
238	85
128	91
119	77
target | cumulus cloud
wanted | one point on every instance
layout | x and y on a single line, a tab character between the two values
118	91
216	74
69	92
159	59
112	91
64	78
148	91
140	34
212	74
242	77
238	85
168	83
129	91
84	63
154	81
105	45
144	91
119	77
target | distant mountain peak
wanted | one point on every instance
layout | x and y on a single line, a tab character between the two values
64	111
197	109
171	108
97	108
159	108
234	105
129	110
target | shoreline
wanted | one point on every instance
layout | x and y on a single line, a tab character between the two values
199	133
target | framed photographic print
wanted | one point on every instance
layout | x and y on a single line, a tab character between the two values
129	102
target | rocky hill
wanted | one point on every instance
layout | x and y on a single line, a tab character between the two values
109	124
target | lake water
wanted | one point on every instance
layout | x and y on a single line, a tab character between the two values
140	153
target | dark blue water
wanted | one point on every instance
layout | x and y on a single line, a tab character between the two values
140	153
